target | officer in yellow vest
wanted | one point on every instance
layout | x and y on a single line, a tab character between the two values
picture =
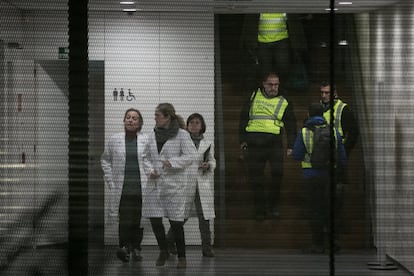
316	180
344	120
264	118
273	44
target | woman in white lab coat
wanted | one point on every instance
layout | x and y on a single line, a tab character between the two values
171	152
204	183
124	176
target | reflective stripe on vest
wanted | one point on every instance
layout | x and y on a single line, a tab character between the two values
338	108
266	114
272	27
307	136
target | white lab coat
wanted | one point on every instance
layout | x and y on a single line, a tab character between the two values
205	180
113	166
168	196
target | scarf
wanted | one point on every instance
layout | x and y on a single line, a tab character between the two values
163	134
196	139
327	106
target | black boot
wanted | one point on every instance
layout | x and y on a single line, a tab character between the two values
171	242
204	226
182	262
136	251
123	254
162	258
207	250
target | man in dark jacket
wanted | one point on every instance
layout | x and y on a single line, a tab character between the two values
263	119
316	181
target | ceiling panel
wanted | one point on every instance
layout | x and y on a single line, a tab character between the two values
218	6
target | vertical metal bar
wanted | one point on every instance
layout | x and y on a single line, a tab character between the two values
219	134
333	147
78	138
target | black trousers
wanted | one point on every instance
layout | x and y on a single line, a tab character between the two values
317	200
203	224
178	230
257	157
130	231
275	57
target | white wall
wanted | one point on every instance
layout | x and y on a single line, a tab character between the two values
388	74
159	57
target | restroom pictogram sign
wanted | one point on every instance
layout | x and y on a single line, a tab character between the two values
19	102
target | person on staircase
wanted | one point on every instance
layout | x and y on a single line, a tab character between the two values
344	121
263	119
316	179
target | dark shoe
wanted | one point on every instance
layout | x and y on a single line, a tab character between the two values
123	254
208	251
136	255
182	262
314	249
162	258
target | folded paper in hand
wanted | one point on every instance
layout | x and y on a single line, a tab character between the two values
206	154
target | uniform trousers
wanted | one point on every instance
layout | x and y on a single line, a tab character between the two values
257	157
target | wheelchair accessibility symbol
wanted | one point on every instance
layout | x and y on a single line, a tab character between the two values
130	96
120	95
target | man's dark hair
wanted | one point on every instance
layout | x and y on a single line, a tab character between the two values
315	109
269	74
327	83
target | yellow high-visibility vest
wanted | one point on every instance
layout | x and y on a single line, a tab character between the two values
266	114
272	27
307	137
338	108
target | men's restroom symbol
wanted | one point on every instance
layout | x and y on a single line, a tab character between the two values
115	94
120	95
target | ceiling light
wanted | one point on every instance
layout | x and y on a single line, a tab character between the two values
128	6
345	3
328	9
343	43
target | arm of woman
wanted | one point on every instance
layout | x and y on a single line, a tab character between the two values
149	161
106	164
188	152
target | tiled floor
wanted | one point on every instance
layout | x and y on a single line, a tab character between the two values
247	262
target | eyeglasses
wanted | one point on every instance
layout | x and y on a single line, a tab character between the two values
272	84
